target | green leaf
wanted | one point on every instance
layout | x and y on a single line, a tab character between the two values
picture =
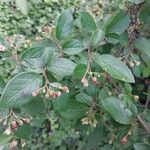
62	67
4	139
97	37
143	45
40	55
22	5
72	47
23	132
64	24
2	84
35	107
87	22
84	98
18	90
114	67
80	70
141	146
75	110
117	110
117	23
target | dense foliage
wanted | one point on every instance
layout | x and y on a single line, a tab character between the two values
76	81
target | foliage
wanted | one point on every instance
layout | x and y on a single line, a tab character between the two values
78	81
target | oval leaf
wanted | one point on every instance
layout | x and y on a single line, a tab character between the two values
87	22
114	67
143	45
117	110
73	47
64	24
19	89
117	23
62	67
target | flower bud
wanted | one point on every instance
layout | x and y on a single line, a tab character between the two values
20	122
136	97
2	48
8	131
137	63
35	93
58	94
65	89
14	124
131	64
85	84
26	120
94	80
83	80
13	144
124	140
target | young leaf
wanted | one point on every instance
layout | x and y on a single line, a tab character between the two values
80	70
18	90
64	24
62	67
143	45
97	37
114	67
117	23
72	47
2	84
117	110
87	22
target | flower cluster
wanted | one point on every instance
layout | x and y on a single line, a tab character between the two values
2	48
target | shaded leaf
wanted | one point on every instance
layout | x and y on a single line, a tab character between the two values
117	110
143	45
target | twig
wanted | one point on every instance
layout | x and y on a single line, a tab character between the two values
143	123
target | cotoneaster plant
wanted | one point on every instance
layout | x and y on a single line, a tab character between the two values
82	69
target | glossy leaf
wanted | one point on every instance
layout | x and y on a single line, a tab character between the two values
72	47
64	24
117	110
117	23
18	90
87	22
62	67
143	45
114	67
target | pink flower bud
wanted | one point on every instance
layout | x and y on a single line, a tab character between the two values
83	79
65	89
85	84
13	144
26	120
2	48
58	94
14	124
124	140
35	93
94	80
